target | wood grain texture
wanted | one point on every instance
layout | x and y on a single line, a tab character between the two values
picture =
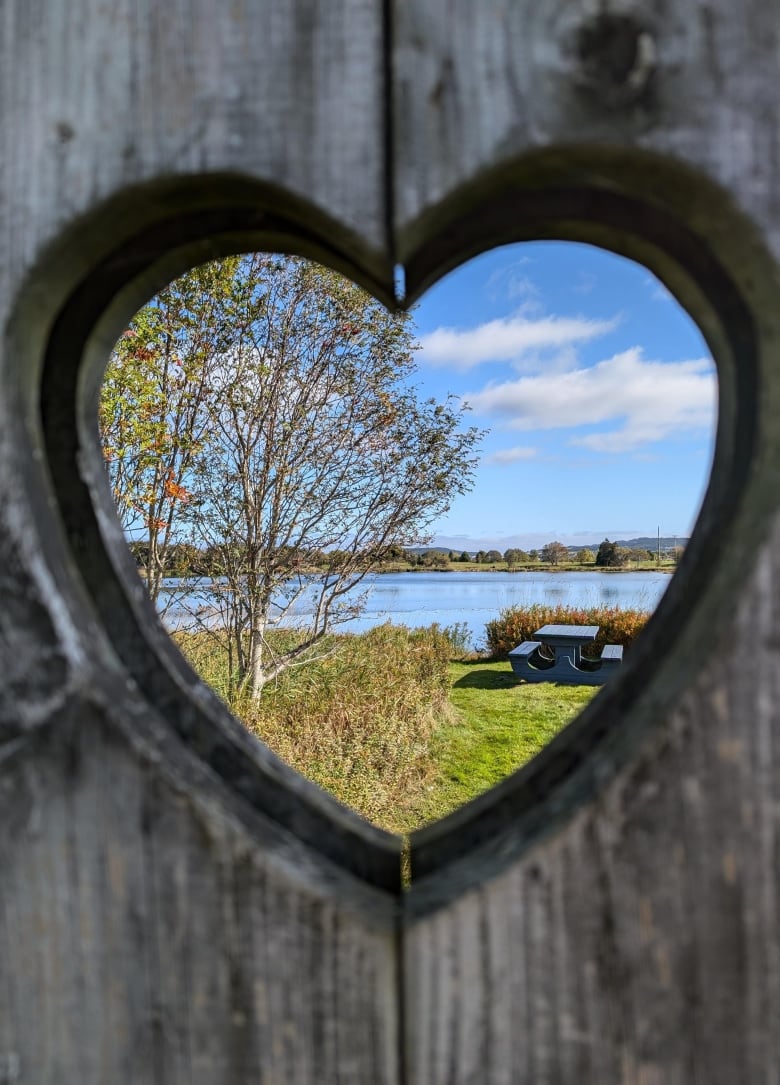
481	86
630	937
639	944
154	925
146	935
98	97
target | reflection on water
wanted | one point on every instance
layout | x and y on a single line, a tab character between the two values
416	599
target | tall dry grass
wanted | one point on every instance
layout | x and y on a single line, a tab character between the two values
359	722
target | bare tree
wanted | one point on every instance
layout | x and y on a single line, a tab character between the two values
313	456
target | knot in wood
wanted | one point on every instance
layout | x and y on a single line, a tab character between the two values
616	59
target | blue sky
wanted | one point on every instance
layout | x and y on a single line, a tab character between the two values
598	390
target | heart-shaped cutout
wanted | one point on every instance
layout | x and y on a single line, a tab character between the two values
347	840
253	411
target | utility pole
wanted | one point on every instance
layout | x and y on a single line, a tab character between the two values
659	546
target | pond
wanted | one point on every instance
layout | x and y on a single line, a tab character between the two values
474	598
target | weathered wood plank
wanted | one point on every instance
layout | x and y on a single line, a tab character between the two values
636	943
154	924
147	935
613	930
98	97
480	88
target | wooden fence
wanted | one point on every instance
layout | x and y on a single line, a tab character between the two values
177	906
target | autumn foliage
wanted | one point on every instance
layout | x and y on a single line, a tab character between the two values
519	623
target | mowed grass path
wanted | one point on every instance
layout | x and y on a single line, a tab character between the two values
498	724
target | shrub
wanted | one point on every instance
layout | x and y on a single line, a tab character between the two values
516	624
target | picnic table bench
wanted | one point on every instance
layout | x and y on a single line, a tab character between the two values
563	661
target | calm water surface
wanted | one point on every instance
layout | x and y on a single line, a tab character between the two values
475	598
416	599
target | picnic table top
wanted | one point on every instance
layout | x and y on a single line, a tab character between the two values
566	633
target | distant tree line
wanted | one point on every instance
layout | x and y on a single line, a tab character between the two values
183	559
613	556
187	560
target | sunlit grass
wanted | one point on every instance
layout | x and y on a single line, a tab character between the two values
394	730
498	725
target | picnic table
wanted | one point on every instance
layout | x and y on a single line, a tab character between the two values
555	655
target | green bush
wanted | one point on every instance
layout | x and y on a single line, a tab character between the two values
516	624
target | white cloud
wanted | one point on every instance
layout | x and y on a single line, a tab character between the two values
637	402
512	455
548	361
507	339
509	282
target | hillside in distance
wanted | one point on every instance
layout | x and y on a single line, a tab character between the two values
459	543
645	542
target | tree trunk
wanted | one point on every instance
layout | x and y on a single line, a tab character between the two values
257	676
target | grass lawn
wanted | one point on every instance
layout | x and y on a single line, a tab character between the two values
393	729
498	724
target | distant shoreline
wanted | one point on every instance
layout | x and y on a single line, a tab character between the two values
456	567
470	567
